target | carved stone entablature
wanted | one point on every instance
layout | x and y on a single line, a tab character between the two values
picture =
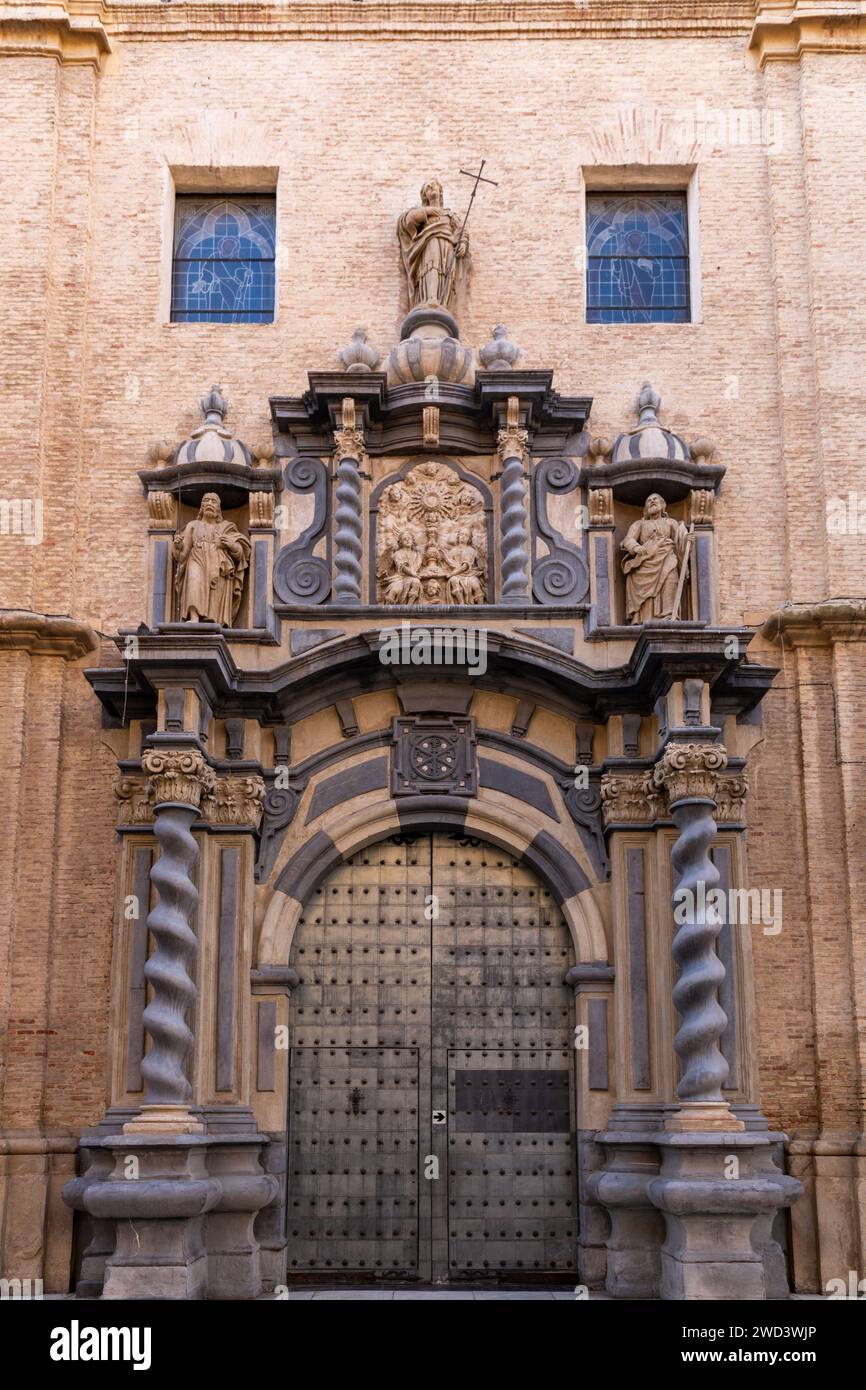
135	800
649	458
234	801
177	774
690	771
210	460
432	538
731	791
433	757
631	798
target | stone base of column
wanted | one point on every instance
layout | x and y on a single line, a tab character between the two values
636	1225
157	1196
164	1119
233	1259
179	1212
718	1197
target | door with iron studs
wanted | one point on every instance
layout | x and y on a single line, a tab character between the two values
431	1097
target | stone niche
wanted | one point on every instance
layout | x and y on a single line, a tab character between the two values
651	502
215	479
431	541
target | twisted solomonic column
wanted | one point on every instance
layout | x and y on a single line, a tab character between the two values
688	772
349	539
178	779
512	451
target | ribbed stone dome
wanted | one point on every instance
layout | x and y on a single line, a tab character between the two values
648	440
212	442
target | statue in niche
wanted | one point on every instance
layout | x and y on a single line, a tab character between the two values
432	539
432	249
655	548
211	557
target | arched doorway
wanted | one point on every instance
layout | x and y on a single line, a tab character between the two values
431	1099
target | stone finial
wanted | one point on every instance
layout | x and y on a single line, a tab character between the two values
159	453
648	405
359	355
599	448
263	452
214	406
500	354
702	449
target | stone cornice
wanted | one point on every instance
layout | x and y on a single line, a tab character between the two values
45	634
435	20
818	624
783	30
71	32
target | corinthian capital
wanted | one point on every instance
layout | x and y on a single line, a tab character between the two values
690	771
234	801
177	774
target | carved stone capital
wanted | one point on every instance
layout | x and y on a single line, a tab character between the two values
349	444
162	510
630	797
234	801
689	771
702	503
177	775
512	442
601	506
134	797
261	509
731	791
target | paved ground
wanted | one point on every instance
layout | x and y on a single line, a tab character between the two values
422	1295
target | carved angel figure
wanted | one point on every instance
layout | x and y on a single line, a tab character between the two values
464	584
403	584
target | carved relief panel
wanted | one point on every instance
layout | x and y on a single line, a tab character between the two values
431	539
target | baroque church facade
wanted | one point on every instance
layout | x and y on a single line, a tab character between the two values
433	749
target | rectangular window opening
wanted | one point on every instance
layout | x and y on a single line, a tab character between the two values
637	257
223	259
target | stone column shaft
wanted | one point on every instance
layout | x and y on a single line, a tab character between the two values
348	457
178	778
514	529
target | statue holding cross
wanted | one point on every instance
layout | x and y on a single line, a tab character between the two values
434	245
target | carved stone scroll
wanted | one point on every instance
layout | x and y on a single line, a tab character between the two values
300	576
562	575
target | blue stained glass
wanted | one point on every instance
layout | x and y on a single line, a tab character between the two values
637	258
223	268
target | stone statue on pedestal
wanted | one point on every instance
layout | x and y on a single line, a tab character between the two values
211	557
432	248
654	547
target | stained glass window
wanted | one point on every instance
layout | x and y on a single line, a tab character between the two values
223	270
637	258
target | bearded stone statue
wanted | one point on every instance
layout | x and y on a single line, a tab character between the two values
432	249
211	557
654	548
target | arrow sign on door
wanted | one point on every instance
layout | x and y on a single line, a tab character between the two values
438	1117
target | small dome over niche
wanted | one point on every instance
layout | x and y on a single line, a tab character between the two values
212	442
649	441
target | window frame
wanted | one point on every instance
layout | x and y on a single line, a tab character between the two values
635	180
182	181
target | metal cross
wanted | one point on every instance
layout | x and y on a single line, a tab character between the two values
452	260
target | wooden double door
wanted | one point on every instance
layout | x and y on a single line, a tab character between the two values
431	1104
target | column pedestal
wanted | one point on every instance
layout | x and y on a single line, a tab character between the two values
718	1198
